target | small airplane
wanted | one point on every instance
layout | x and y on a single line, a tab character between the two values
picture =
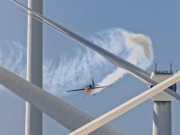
89	88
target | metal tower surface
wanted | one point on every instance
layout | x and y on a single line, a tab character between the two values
162	105
33	119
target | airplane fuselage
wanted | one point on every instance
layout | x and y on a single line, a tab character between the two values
89	88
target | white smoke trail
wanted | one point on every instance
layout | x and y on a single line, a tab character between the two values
71	73
135	48
78	72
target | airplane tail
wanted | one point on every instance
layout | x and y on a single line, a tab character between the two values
93	84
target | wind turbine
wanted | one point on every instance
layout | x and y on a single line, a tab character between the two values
134	70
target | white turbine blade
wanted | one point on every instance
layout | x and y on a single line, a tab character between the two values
107	117
64	113
134	70
173	94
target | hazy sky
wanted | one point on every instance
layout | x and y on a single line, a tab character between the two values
159	20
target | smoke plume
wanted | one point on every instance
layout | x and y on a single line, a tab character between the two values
135	48
77	72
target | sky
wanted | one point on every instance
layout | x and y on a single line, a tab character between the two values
157	21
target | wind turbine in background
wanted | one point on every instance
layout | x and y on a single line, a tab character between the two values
162	101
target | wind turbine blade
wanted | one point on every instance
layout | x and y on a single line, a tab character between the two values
59	110
172	93
107	117
134	70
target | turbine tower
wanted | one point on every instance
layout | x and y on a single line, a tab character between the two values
33	120
162	104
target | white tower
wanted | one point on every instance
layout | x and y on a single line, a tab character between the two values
34	66
162	105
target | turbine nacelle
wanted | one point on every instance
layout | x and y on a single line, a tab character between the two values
159	76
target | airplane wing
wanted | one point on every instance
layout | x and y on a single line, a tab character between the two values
75	90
